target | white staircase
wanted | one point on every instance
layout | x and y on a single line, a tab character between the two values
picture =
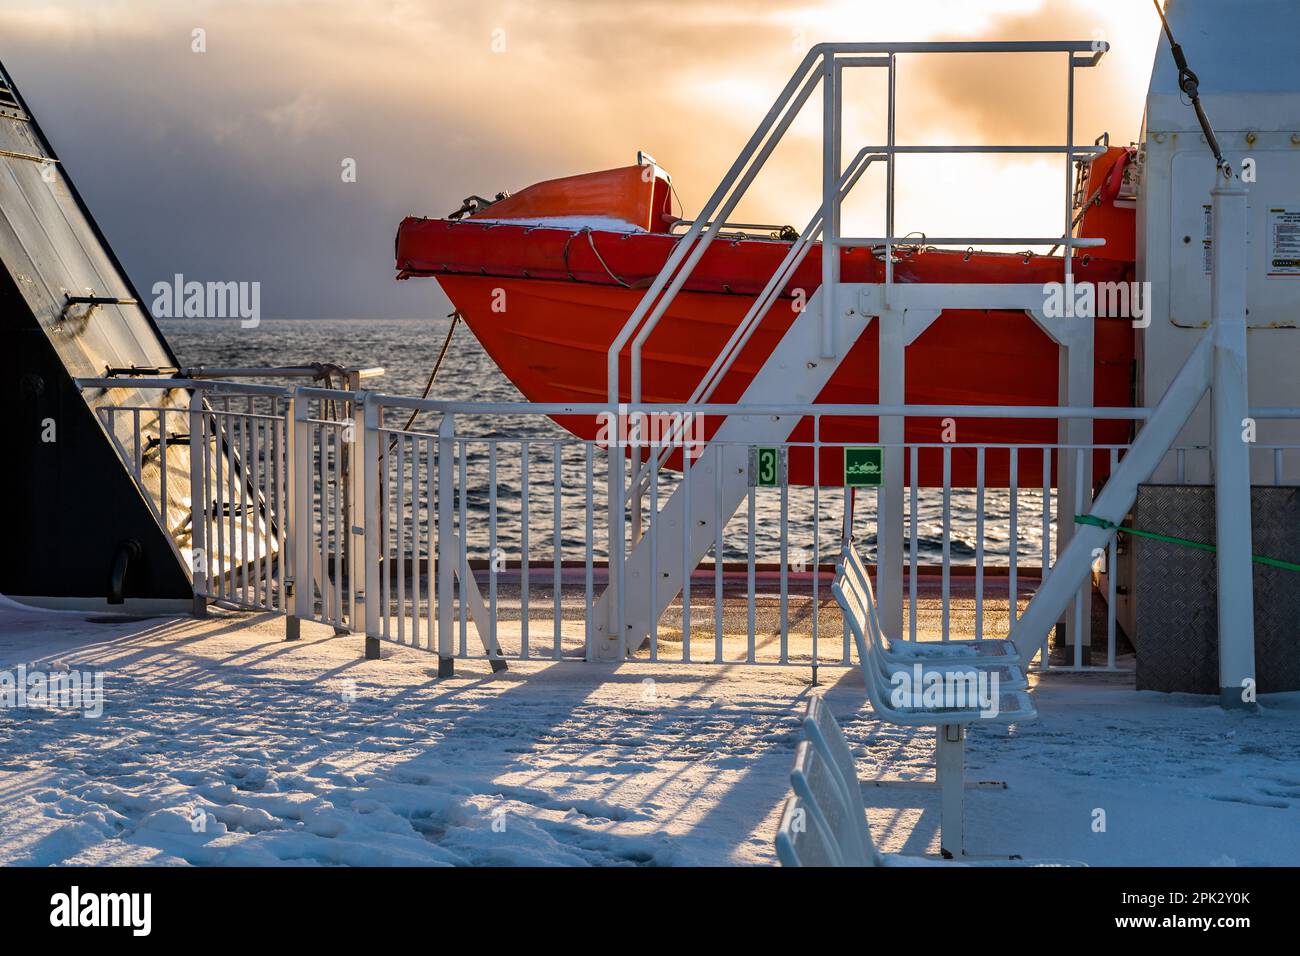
795	373
647	572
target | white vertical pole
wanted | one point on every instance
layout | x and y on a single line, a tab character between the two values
589	654
1082	367
946	586
199	504
447	551
1082	620
891	131
1231	453
371	440
1112	580
785	557
830	205
1074	337
719	523
524	549
950	769
979	543
913	483
816	536
846	541
687	566
1013	537
635	488
654	558
557	540
616	488
301	509
1045	558
889	545
751	611
356	503
1067	238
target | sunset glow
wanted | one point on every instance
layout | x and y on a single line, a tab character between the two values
249	135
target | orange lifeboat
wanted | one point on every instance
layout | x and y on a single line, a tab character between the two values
574	255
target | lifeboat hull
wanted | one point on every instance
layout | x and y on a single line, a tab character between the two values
547	302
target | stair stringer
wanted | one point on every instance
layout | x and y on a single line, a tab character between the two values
795	373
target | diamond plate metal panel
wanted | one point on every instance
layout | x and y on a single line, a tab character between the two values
1177	623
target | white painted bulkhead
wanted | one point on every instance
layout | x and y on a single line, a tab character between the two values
1245	55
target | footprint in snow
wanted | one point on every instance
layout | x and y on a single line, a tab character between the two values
1251	801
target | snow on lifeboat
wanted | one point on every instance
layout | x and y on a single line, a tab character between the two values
572	257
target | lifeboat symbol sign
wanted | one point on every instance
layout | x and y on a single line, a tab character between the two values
862	468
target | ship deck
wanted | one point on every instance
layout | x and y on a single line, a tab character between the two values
305	752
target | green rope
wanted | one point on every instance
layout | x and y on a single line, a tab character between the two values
1199	545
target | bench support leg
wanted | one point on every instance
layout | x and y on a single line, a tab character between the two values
950	769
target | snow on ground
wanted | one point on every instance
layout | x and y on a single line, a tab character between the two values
306	754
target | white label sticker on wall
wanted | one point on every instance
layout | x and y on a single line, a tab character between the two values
1284	242
1207	240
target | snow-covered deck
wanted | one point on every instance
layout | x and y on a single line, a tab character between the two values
305	753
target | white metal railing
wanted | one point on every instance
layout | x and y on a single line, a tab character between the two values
324	500
509	519
1278	455
238	491
473	533
506	520
214	476
823	65
145	437
229	504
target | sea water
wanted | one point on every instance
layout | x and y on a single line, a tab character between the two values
407	350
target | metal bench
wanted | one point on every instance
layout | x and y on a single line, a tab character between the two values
852	589
824	822
980	653
801	840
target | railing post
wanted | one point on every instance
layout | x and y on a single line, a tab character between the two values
447	555
889	542
355	497
614	647
891	130
299	515
199	506
1236	597
372	486
1074	468
830	204
1074	336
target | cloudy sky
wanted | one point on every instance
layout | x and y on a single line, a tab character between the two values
226	164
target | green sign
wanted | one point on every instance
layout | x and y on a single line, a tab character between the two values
766	467
862	467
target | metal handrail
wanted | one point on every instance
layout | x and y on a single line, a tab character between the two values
696	240
739	228
710	212
170	384
554	409
763	303
819	66
873	241
551	410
